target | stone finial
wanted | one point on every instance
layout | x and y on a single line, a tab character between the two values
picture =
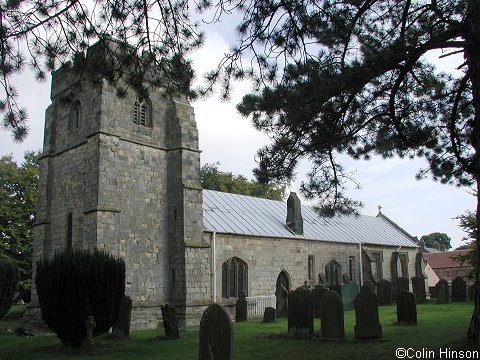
294	214
379	209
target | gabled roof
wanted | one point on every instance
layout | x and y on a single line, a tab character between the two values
247	215
442	259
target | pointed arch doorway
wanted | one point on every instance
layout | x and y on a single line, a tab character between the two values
282	289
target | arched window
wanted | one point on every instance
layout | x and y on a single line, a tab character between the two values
141	112
234	277
74	116
333	272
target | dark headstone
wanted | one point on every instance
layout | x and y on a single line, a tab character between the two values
281	301
317	293
418	285
322	280
471	292
121	328
269	315
371	286
331	316
216	334
459	289
384	292
406	308
300	313
441	290
170	323
403	284
241	307
366	315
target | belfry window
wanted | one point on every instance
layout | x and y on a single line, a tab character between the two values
234	277
141	112
74	116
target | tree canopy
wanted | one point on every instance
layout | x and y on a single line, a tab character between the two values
437	240
214	179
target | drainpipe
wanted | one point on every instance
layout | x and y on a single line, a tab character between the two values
361	263
214	270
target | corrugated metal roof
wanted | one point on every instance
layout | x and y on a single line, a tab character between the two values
247	215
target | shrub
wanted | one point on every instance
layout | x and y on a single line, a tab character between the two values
9	276
76	284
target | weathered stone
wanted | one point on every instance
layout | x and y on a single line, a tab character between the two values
459	289
418	285
317	294
366	315
322	280
441	290
241	307
384	292
281	295
403	284
170	323
88	345
300	313
406	308
332	316
122	324
269	314
216	334
371	286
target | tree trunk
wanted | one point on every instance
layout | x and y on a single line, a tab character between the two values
472	57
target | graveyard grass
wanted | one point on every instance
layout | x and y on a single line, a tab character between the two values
439	326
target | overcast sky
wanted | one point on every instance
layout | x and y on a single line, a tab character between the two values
419	207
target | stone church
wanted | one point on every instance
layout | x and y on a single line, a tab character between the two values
122	174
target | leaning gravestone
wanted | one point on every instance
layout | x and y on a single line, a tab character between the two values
366	315
317	294
403	284
121	328
269	315
406	308
459	289
441	289
418	285
384	292
300	313
216	334
331	316
170	323
241	307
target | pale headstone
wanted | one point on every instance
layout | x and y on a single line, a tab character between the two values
170	323
216	334
269	315
366	315
300	313
88	344
331	316
441	290
418	285
406	308
281	295
459	289
384	292
122	324
241	307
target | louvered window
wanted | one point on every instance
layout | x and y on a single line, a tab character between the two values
141	112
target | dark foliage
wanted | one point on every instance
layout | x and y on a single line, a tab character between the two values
9	276
76	284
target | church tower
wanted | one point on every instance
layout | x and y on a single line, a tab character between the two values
123	174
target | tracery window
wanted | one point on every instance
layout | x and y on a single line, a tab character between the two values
234	277
333	272
141	112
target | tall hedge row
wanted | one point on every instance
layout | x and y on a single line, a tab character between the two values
75	284
9	276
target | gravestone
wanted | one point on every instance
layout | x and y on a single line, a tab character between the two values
441	290
216	334
366	315
406	308
317	294
170	323
459	289
403	284
471	292
269	315
300	312
331	316
384	292
370	285
241	307
418	285
122	324
88	345
322	280
281	295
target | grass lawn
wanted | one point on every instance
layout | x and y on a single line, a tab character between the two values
439	327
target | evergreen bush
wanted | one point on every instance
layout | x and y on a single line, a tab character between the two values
75	284
9	276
